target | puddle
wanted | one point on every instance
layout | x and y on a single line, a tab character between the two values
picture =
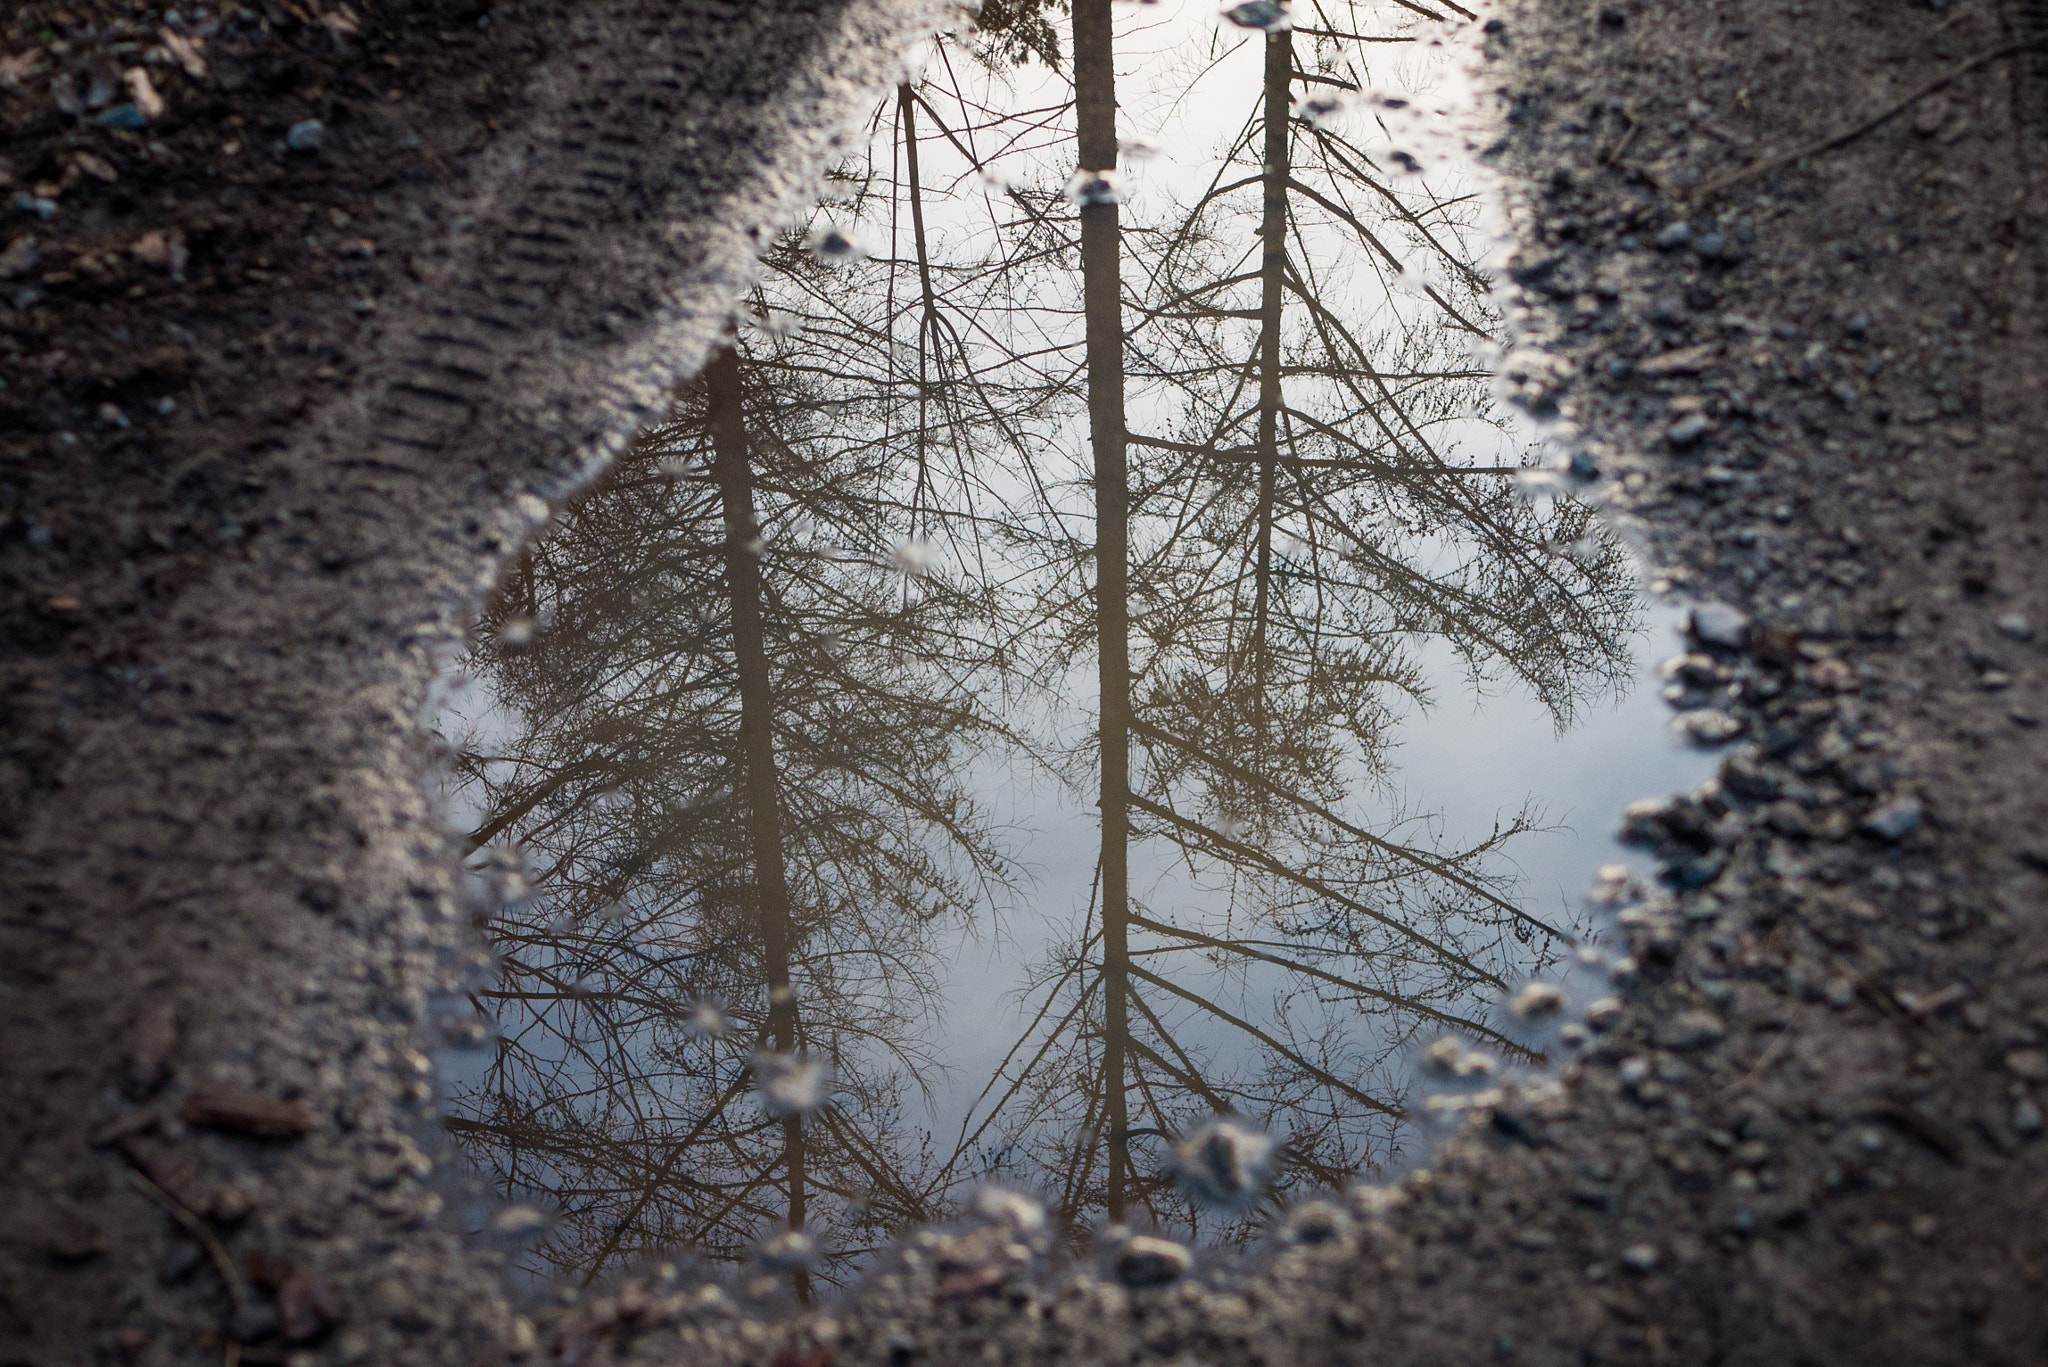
781	754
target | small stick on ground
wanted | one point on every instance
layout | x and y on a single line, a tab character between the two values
1850	134
1613	154
196	1227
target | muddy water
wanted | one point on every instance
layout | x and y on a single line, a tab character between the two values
829	872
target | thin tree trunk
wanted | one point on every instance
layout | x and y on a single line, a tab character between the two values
928	319
1273	233
757	739
1102	303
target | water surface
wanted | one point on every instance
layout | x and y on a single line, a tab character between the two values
1085	660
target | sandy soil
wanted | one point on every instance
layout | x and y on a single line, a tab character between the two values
1811	1135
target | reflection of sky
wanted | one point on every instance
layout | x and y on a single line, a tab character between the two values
1472	758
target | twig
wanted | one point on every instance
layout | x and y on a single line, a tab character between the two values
1613	154
1850	134
196	1227
1763	1061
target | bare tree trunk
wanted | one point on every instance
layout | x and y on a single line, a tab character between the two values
928	318
757	738
1273	232
1102	303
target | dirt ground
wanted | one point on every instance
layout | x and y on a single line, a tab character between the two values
273	415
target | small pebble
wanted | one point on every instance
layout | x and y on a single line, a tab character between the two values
1639	1257
835	246
1691	1030
306	136
790	1084
2015	626
1223	1162
787	1251
125	116
20	256
1537	1001
1675	235
1315	1223
1264	15
1895	820
1689	429
1146	1261
1602	1013
1710	246
1448	1055
2026	1117
1718	624
1010	1208
1707	727
1095	187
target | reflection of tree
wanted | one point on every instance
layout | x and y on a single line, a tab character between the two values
732	775
1261	574
738	733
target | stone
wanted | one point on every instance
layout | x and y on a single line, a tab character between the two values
1315	1223
20	257
1707	727
1718	624
1537	1001
1146	1261
1690	1030
1689	429
1895	820
1264	15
